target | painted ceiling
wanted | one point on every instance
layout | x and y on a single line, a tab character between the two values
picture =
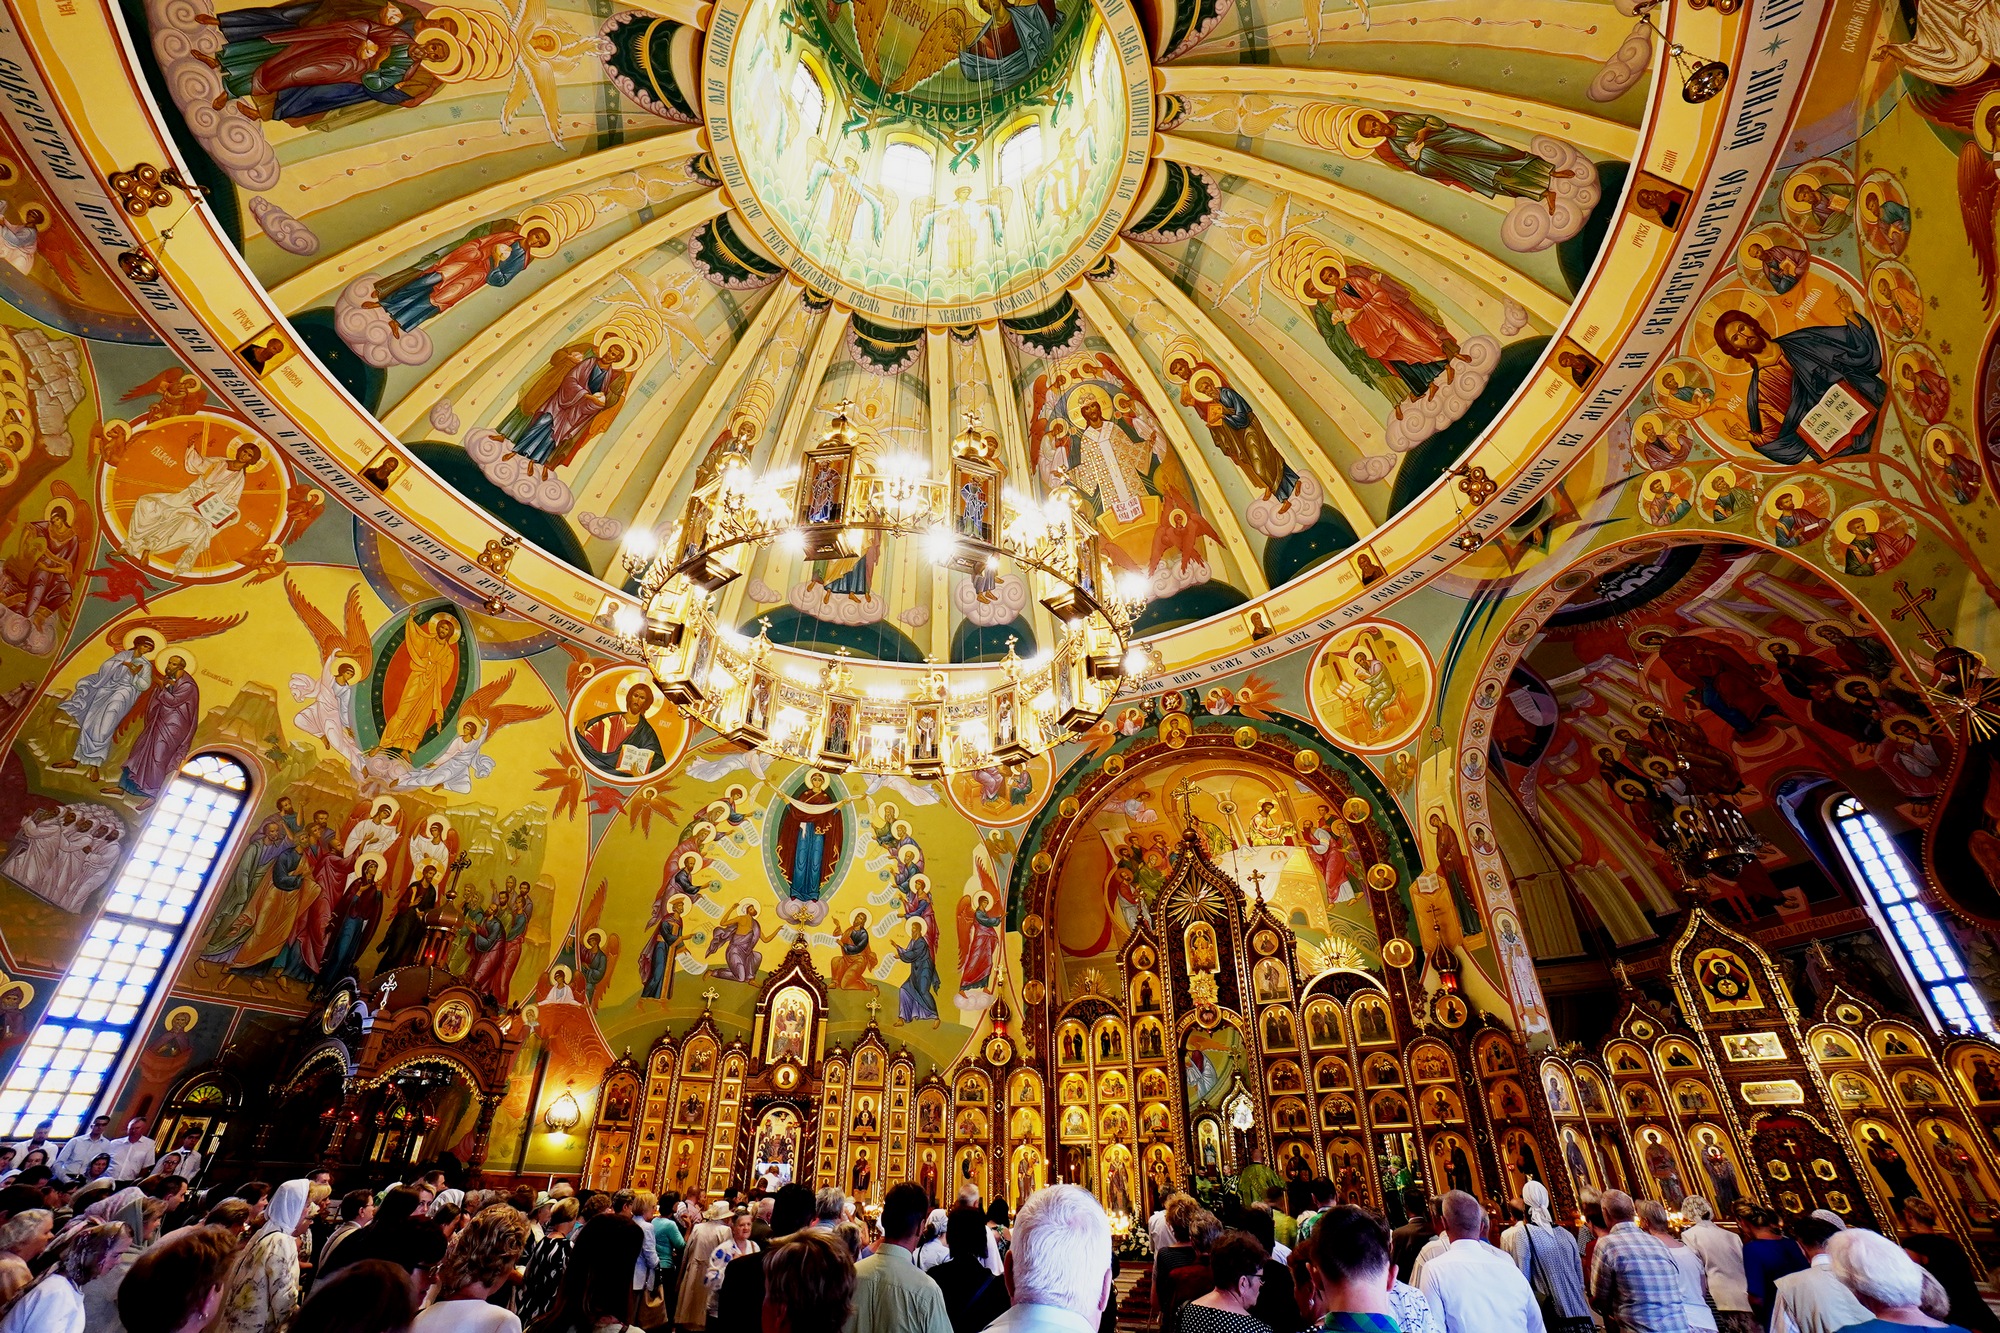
1301	255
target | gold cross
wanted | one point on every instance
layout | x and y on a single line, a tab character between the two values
1913	605
1257	882
1183	795
711	995
874	1006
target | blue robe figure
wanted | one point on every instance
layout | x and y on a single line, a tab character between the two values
1819	357
808	860
1011	45
288	875
917	997
655	971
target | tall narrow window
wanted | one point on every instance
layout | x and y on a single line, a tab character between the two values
1020	155
1929	956
64	1067
808	98
909	170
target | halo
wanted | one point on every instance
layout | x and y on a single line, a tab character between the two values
908	854
1204	386
377	802
121	639
1182	347
861	917
1768	648
687	857
1935	440
1910	718
750	903
1792	488
1871	521
1813	631
193	1016
594	935
619	693
924	880
900	829
737	793
334	663
560	975
367	861
60	502
1086	393
1982	117
1721	480
564	219
27	993
263	452
188	659
917	926
1297	261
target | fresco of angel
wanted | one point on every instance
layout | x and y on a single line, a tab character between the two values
960	219
345	656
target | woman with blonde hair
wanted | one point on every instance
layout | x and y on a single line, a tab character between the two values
54	1304
479	1263
22	1239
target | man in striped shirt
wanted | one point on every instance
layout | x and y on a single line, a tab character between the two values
1633	1278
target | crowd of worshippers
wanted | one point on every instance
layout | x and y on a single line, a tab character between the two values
147	1254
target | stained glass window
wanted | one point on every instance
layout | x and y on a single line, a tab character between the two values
63	1068
1929	956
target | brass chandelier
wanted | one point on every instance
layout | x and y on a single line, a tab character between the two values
917	720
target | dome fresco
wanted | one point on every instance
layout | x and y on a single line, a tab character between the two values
1300	260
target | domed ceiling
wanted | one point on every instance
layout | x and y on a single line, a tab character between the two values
1250	277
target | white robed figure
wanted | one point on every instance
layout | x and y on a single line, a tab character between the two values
29	852
101	700
190	517
373	836
331	701
455	769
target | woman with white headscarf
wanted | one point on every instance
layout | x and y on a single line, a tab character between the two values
264	1291
1551	1262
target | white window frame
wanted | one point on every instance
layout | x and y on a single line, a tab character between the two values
138	910
1905	919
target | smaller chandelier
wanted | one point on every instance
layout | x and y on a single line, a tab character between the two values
923	721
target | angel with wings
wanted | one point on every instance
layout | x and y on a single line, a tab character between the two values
542	51
671	298
961	218
1256	245
125	688
997	54
482	715
848	193
345	656
179	394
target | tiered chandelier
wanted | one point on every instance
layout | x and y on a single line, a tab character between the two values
918	720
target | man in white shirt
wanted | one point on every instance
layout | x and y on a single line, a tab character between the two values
132	1157
1474	1287
1062	1264
40	1140
188	1167
75	1156
1813	1300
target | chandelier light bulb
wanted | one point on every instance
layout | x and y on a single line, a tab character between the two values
640	543
628	620
1135	661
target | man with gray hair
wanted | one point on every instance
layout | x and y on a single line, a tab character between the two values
1813	1300
1882	1277
829	1205
1060	1277
1473	1286
1634	1279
